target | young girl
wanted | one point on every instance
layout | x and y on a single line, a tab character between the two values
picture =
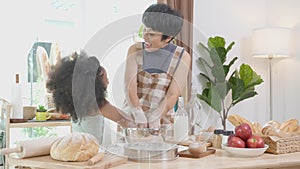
78	84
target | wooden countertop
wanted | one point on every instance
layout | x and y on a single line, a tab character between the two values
223	160
219	160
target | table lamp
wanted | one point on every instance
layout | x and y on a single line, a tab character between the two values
271	42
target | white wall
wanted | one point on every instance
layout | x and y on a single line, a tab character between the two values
234	20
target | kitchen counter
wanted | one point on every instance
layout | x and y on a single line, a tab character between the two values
223	160
219	160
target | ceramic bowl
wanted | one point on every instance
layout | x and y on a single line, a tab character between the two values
245	152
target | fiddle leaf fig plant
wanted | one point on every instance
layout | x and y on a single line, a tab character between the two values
222	91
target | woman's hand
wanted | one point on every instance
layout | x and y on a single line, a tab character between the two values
154	119
139	117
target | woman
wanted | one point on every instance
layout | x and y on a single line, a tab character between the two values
157	73
78	84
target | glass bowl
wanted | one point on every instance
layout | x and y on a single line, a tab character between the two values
133	135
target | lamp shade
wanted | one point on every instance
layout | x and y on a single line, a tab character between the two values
271	42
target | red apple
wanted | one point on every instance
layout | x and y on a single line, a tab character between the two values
255	141
229	137
243	131
236	142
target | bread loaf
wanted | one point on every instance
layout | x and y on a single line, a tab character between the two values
298	129
257	128
237	120
289	126
273	123
269	130
75	147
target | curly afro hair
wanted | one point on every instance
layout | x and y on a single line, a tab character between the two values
76	85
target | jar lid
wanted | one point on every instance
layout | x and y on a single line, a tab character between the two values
218	131
227	132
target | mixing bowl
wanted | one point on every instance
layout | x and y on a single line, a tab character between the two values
133	135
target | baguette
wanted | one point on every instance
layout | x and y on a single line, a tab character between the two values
289	126
274	123
269	130
257	128
298	129
237	120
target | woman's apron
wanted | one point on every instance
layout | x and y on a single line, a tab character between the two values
152	87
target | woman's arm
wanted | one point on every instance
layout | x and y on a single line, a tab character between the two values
131	77
131	87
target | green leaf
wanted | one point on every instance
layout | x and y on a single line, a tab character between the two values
216	42
211	97
218	73
222	54
227	67
204	63
215	99
221	89
202	48
214	55
245	95
41	108
140	33
205	76
237	86
249	77
230	46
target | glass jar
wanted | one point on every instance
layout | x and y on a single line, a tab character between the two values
217	138
226	134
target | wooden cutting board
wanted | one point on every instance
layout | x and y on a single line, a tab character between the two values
47	162
186	153
184	143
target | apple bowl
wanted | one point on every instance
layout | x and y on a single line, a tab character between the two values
245	152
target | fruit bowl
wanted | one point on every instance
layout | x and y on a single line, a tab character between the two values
245	152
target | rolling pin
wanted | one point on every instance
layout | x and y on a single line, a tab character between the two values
96	158
31	148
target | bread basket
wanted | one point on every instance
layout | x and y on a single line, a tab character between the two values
282	145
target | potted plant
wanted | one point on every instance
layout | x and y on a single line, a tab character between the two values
42	114
222	91
41	108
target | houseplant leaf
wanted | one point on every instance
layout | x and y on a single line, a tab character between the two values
249	77
215	42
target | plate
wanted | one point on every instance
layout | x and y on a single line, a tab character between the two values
245	152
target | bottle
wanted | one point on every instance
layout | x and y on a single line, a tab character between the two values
193	109
226	134
217	138
180	122
16	99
